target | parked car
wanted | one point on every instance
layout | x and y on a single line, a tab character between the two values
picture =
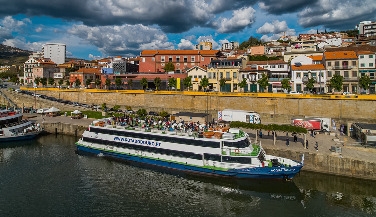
294	92
153	113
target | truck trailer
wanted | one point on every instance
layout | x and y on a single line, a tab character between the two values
315	124
239	115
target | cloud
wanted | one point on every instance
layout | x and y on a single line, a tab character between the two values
274	27
186	45
337	13
284	6
122	40
9	25
240	19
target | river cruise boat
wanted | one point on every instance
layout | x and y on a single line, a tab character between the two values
13	127
220	151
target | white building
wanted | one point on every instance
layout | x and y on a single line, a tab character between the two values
367	28
55	51
367	60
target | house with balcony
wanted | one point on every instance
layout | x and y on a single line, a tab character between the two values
197	73
367	67
154	61
45	68
304	68
252	74
344	63
226	70
276	70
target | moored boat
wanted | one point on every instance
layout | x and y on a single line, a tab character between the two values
13	127
225	152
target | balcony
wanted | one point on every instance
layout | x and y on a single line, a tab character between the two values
342	67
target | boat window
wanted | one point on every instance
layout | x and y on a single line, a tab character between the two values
243	160
212	157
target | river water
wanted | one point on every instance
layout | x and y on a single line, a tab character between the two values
46	178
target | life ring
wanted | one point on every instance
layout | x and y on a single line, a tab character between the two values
237	151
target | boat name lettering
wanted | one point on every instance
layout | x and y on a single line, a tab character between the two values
137	141
282	169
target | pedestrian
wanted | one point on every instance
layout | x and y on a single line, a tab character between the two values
306	144
295	138
260	134
317	146
287	142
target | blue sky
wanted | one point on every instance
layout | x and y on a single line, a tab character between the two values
101	28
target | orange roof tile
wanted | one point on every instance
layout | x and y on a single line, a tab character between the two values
335	55
316	57
308	67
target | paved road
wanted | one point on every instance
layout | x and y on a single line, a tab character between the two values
349	150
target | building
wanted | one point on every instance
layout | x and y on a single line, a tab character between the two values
45	68
55	51
367	67
204	45
367	28
197	73
85	75
302	69
230	45
226	70
154	61
344	63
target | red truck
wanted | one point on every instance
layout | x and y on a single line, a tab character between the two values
315	124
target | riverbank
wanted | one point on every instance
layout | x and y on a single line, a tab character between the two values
352	160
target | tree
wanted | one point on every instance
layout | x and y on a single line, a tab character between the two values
336	82
310	84
98	82
104	106
77	83
60	82
37	81
169	67
51	81
171	83
108	83
365	82
43	81
204	82
242	84
144	83
88	82
263	82
118	82
67	83
222	83
157	82
187	82
286	84
141	113
251	42
22	81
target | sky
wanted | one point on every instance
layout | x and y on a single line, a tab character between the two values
93	29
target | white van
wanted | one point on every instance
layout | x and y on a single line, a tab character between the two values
42	110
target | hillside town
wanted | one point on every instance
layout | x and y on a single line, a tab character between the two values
299	64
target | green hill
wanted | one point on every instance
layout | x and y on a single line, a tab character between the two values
13	56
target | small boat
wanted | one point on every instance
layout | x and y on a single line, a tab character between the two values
224	152
13	127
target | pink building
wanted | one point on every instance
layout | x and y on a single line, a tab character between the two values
153	61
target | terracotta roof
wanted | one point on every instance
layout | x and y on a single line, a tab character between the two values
316	57
89	70
267	62
335	55
308	67
178	52
366	52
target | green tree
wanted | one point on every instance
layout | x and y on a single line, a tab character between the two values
144	83
88	82
43	81
263	82
141	113
104	106
172	83
118	82
250	42
204	82
22	81
108	83
157	83
77	83
310	84
187	82
222	83
336	82
286	84
365	82
97	83
242	84
37	80
163	114
169	67
51	81
67	83
60	82
116	107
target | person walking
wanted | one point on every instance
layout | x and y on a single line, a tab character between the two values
306	144
287	142
317	146
295	138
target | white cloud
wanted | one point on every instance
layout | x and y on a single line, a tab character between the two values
186	45
240	19
274	27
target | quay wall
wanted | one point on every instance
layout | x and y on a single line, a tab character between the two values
333	163
64	128
277	108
